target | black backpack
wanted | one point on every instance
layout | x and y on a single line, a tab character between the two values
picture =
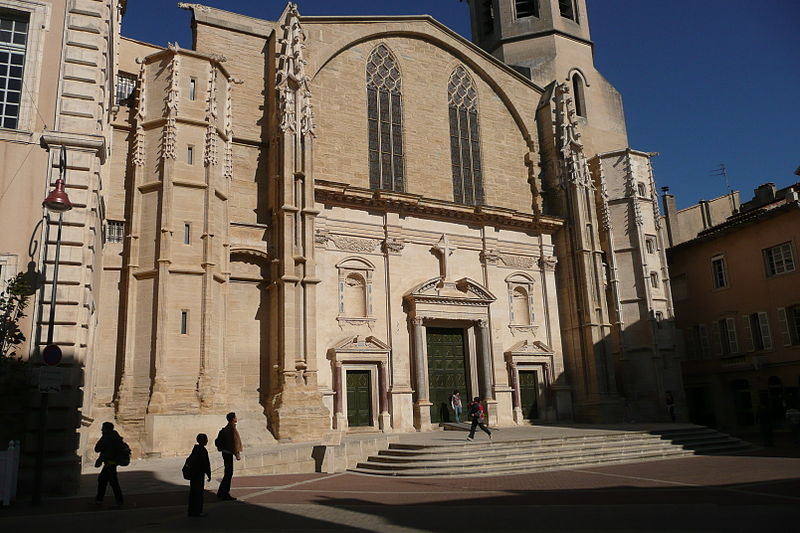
187	469
219	442
123	457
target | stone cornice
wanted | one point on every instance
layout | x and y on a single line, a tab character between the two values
80	141
351	196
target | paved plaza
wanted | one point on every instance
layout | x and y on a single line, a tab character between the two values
756	492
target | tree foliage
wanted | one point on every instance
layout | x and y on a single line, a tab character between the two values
13	301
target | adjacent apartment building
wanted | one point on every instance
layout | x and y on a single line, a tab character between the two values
736	287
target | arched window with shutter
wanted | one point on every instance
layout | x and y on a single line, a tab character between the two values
465	149
385	121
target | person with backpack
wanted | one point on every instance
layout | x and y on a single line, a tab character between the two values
230	444
455	403
196	469
476	412
113	452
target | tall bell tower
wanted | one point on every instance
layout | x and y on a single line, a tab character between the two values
549	41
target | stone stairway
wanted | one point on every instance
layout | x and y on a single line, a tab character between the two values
484	457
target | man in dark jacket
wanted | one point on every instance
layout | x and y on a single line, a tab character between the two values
475	410
200	467
230	444
109	446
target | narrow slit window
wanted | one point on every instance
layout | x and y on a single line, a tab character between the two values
184	322
487	9
187	233
190	155
192	88
654	279
465	143
578	95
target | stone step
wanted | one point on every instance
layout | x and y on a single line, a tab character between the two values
525	455
526	466
522	455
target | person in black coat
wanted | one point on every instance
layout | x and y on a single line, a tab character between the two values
109	446
200	468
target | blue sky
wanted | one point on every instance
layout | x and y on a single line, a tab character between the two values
704	82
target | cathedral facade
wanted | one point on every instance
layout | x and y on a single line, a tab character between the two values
329	224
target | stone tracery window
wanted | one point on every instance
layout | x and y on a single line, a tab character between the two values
465	150
385	121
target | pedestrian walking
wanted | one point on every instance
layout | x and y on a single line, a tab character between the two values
455	403
230	444
669	399
793	419
199	469
112	450
476	412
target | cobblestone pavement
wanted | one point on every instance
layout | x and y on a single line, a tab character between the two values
722	493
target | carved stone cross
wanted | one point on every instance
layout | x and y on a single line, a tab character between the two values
445	250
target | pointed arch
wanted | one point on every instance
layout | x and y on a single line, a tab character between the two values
385	120
465	145
578	83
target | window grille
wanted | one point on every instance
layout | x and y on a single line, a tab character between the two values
465	151
115	231
385	121
779	259
13	40
126	86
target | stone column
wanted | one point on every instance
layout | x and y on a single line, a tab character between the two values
341	390
422	406
516	397
383	399
486	385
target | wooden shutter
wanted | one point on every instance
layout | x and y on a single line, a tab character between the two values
748	334
733	342
783	324
715	337
766	335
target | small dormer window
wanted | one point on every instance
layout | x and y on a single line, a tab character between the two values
527	8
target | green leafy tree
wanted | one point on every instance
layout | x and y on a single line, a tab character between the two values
13	301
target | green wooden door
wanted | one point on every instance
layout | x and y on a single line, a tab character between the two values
446	370
529	393
359	408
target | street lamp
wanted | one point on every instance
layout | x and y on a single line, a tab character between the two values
55	202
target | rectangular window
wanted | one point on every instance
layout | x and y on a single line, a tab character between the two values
488	16
190	155
192	89
650	245
13	41
779	259
727	336
567	8
758	325
115	231
527	8
184	322
789	322
654	279
126	85
187	233
719	272
699	346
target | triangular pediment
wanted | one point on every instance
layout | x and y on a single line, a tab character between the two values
360	343
462	289
527	347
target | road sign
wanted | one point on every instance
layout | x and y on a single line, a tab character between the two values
50	379
51	355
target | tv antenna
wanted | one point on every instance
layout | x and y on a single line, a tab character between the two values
722	170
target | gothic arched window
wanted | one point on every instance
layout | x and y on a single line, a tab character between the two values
385	117
577	93
465	150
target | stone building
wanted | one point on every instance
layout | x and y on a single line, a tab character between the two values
331	223
737	296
